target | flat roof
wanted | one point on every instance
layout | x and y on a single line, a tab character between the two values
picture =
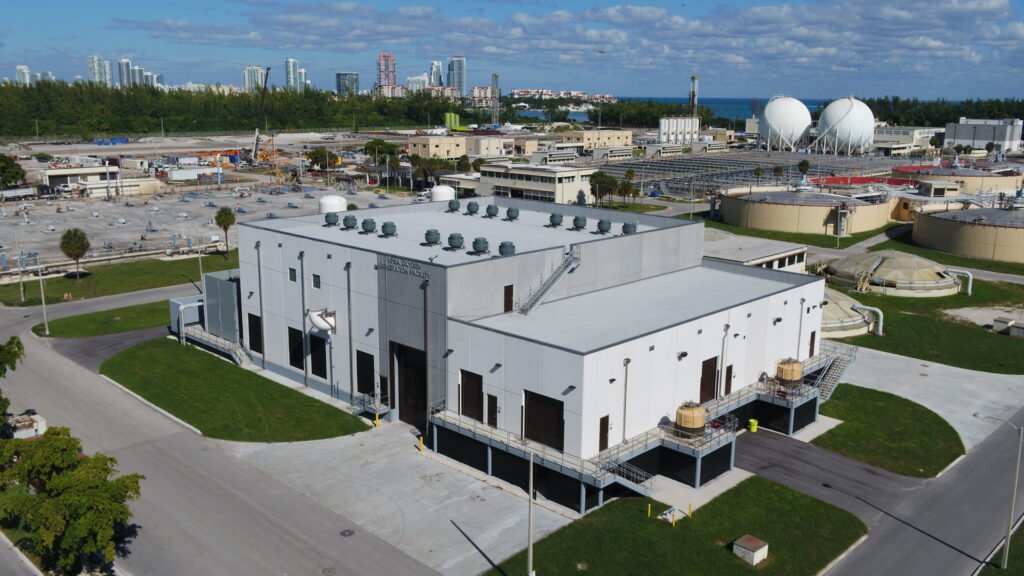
737	248
986	216
800	198
603	318
540	167
530	232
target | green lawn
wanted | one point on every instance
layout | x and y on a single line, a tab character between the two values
107	279
632	207
109	321
890	432
1016	564
905	243
821	240
17	536
916	327
222	400
803	534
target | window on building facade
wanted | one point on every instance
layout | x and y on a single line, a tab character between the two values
291	274
316	280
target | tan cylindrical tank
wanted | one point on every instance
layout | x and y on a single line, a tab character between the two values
690	417
789	371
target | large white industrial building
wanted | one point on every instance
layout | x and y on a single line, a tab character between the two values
504	327
977	133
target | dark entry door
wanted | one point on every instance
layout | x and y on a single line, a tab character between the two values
728	379
492	410
472	395
545	422
814	335
602	434
364	373
708	371
412	385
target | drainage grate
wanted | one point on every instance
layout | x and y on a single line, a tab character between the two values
346	533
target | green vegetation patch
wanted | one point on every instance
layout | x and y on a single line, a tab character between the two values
108	279
803	534
114	321
632	206
222	400
890	432
917	327
905	243
820	240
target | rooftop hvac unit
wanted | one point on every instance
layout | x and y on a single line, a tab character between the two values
579	223
455	241
506	248
604	226
472	208
369	226
480	245
389	229
432	237
512	214
555	219
349	222
492	211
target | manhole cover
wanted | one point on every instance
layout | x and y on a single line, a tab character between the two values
347	533
329	571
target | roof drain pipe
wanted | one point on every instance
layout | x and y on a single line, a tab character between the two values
970	278
880	325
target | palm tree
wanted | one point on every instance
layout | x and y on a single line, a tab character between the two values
778	171
74	244
804	167
224	219
758	172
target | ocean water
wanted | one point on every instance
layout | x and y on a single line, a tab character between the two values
738	108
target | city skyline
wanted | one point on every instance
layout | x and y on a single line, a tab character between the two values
743	48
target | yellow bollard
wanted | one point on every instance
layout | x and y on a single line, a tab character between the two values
690	510
376	420
673	519
421	444
648	510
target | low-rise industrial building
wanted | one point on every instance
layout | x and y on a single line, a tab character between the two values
57	176
599	344
904	140
443	147
656	151
613	154
679	130
546	183
463	184
977	133
591	139
490	147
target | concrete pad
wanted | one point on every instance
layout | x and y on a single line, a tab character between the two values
815	429
682	496
953	393
435	513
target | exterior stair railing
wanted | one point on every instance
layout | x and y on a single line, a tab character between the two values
569	263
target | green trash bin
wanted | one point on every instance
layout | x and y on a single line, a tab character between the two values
753	425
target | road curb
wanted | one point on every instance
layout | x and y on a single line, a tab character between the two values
181	422
950	465
839	558
21	555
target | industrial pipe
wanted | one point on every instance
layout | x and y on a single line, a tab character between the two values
181	318
970	278
878	312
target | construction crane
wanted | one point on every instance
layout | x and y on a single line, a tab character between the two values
495	100
254	155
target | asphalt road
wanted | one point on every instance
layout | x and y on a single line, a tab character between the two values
202	510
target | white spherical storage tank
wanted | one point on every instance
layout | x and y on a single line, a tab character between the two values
845	126
785	122
332	203
442	194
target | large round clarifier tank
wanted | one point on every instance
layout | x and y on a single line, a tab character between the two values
846	125
784	123
442	193
332	203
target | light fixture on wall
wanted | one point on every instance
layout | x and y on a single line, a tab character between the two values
681	355
777	320
611	380
497	365
651	349
447	353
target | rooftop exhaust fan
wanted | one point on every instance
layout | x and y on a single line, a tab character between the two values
480	245
628	228
330	219
555	219
369	226
579	223
506	248
389	229
472	208
453	205
349	222
432	237
455	241
512	214
492	211
604	226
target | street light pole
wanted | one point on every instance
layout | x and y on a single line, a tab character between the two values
529	524
42	295
1016	478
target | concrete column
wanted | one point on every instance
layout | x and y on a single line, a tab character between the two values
696	476
732	454
489	473
435	446
600	497
817	406
792	413
583	498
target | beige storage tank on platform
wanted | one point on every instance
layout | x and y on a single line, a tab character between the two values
690	417
789	371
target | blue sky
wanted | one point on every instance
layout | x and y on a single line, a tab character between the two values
740	48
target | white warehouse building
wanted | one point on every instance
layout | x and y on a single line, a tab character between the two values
574	333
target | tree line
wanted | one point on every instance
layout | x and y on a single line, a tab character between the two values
937	113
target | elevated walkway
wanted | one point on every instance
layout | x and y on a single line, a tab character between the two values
197	335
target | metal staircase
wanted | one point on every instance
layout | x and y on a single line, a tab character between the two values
842	356
629	476
570	261
236	352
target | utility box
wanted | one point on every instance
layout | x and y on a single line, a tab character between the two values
1002	325
752	550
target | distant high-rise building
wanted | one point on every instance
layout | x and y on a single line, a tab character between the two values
96	69
22	75
386	69
303	83
124	72
417	83
148	79
253	78
346	83
457	73
159	79
291	74
78	79
138	75
48	76
108	74
435	73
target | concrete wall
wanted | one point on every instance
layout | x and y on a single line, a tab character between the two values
983	241
800	218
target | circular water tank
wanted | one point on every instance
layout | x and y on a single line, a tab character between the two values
480	245
369	225
349	222
629	228
512	213
845	125
784	122
604	226
432	236
455	240
442	193
492	210
472	208
506	248
453	205
332	203
555	219
579	222
389	229
331	219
